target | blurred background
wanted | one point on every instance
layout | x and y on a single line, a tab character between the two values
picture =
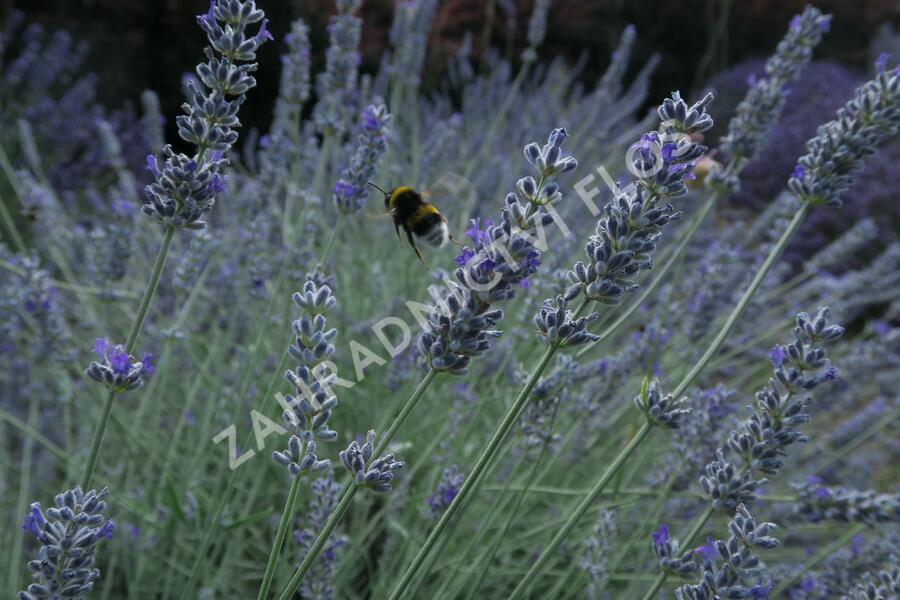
135	44
118	48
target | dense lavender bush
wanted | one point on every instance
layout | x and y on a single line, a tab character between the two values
598	391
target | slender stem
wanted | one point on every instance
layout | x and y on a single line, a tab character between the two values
742	304
817	558
351	488
5	215
404	413
317	546
331	239
579	511
283	526
10	225
150	290
487	560
459	560
136	326
487	455
32	433
24	491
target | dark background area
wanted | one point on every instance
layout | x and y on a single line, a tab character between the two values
140	44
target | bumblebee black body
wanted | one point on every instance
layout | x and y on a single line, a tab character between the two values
417	218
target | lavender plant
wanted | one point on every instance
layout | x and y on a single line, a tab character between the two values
566	470
761	441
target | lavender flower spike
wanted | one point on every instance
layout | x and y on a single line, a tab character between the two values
502	258
734	570
185	187
350	192
761	441
337	85
627	234
559	326
375	475
117	369
309	408
761	107
68	534
659	410
871	117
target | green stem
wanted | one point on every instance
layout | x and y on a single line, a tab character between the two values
213	528
487	455
24	491
317	546
579	511
817	558
283	526
5	215
404	413
497	507
486	562
742	304
32	433
136	326
351	488
331	239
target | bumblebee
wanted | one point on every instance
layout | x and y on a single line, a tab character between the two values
417	218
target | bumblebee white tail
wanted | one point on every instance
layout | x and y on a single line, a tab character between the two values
437	236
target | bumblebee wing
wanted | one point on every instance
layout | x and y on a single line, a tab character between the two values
378	215
433	193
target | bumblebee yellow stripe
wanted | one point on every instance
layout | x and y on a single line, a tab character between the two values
422	212
396	192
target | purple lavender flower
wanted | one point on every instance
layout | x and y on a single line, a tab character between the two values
350	192
185	188
640	213
68	535
447	489
708	550
34	521
661	536
376	474
502	256
668	553
870	118
307	411
117	369
764	102
762	440
777	355
726	570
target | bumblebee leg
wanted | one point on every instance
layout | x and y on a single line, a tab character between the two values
450	235
397	229
412	243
